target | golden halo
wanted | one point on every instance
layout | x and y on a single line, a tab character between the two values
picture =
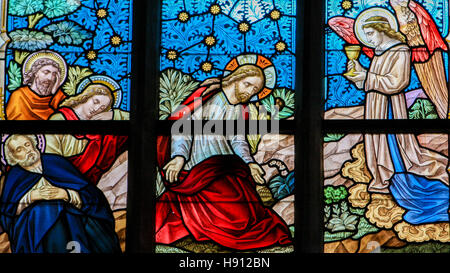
270	75
33	57
366	14
115	88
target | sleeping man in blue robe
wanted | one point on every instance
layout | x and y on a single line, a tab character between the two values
47	205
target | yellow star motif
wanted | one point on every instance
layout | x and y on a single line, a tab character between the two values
183	16
102	13
280	46
210	40
172	55
275	14
91	55
116	40
215	9
207	66
347	4
244	27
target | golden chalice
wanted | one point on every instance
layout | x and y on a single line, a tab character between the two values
352	53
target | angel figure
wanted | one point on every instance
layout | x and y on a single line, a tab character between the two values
426	44
416	177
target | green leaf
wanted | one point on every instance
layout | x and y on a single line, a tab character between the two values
14	76
75	75
423	109
58	8
336	221
175	86
364	228
339	236
288	99
29	40
25	7
68	33
337	228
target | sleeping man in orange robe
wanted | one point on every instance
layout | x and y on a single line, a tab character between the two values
40	95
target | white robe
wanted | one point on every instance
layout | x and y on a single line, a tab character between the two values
199	147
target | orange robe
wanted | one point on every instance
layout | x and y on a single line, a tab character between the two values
24	104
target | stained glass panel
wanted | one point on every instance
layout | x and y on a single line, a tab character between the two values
62	194
57	52
206	43
386	59
386	193
236	197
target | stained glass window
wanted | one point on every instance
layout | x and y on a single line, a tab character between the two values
409	67
222	63
386	188
400	205
58	51
61	194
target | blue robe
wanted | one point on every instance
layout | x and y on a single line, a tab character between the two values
48	226
425	200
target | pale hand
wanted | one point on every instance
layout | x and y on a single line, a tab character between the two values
108	115
173	168
49	193
257	173
360	72
56	84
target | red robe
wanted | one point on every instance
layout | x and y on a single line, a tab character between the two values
216	200
100	152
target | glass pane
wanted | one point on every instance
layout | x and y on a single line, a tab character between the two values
386	193
57	52
214	46
386	60
63	193
230	195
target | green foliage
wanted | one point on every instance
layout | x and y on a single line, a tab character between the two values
14	76
174	88
25	7
341	219
292	230
68	33
430	247
282	98
364	227
357	211
333	137
58	8
50	8
338	236
334	194
168	249
282	186
423	109
29	40
75	75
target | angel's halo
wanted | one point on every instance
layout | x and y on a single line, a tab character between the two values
368	13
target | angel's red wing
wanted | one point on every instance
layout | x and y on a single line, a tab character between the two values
428	28
343	27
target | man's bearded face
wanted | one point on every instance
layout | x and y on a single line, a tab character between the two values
247	87
24	151
45	79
